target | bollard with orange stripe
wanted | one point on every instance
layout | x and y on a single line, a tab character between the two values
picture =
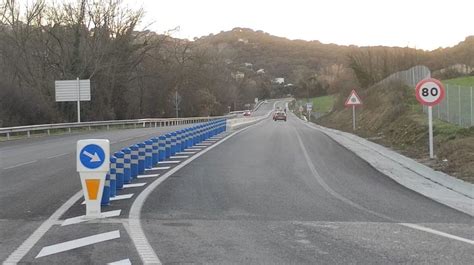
93	164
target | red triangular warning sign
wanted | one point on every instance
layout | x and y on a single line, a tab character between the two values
353	99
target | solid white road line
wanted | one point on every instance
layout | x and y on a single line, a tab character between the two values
22	164
203	144
169	162
144	249
147	176
159	168
436	232
186	153
326	187
121	262
51	157
77	243
133	185
178	157
80	219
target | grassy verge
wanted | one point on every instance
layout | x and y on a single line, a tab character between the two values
466	81
392	117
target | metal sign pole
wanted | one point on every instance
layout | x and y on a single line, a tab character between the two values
430	125
78	101
353	118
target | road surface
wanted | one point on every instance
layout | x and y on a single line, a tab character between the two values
274	193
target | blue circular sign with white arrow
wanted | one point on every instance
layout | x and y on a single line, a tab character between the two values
92	156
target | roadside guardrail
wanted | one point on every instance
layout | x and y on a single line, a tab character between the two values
151	122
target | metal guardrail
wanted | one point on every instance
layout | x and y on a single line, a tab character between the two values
152	122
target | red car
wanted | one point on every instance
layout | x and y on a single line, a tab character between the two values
279	116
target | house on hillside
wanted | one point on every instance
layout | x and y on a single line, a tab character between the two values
278	80
248	66
260	71
238	75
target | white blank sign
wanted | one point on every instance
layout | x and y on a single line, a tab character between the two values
68	90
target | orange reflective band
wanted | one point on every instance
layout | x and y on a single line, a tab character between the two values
92	188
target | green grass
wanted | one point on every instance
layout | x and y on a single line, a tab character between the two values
323	104
466	81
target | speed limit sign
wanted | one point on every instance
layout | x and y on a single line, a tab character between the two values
429	92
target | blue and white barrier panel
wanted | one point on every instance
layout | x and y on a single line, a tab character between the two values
127	164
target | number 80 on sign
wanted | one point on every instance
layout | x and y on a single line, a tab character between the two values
429	92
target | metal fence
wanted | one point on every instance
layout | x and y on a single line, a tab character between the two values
456	107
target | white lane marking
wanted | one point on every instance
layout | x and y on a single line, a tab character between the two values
178	157
118	197
186	153
144	249
122	197
148	176
203	144
22	164
209	141
63	154
81	219
159	168
169	162
436	232
77	243
193	149
326	187
121	262
133	185
26	246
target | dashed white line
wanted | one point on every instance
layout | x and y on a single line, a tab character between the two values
148	176
159	168
169	162
436	232
81	219
22	164
121	262
178	157
51	157
133	185
193	149
77	243
118	197
186	153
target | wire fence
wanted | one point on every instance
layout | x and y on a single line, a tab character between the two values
457	105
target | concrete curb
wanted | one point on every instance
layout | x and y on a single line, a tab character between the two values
435	185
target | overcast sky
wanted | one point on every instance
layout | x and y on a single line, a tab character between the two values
425	24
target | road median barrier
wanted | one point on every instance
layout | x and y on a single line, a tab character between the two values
127	164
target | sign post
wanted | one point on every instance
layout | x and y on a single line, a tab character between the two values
309	108
353	100
93	156
430	92
73	90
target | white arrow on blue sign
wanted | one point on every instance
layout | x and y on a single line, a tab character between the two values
92	156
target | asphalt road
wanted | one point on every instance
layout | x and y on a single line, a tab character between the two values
275	193
38	175
255	199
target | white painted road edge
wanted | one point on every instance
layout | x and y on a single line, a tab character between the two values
326	187
26	246
435	185
144	249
